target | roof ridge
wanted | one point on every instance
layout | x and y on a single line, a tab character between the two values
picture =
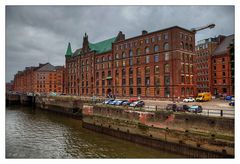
104	40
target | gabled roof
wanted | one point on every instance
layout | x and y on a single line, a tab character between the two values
46	67
223	47
103	46
77	52
69	50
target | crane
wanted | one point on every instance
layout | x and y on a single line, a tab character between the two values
203	27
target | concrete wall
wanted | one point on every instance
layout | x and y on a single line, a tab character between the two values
189	130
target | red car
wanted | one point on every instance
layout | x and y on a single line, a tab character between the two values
133	99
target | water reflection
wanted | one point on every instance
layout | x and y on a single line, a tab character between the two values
33	133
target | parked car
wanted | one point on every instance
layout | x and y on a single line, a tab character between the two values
195	109
205	96
182	108
125	103
172	107
107	101
232	103
119	102
132	99
113	102
189	99
229	97
137	104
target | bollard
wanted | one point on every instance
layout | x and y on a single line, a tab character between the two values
221	113
156	107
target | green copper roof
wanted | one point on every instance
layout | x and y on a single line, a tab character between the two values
103	46
69	50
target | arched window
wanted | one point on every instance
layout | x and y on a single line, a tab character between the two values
165	46
130	53
166	67
103	74
109	57
156	48
147	50
156	69
147	70
117	56
123	55
138	51
182	45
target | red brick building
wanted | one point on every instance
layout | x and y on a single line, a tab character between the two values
152	65
45	78
223	68
204	52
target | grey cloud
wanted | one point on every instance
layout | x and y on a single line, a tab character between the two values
37	34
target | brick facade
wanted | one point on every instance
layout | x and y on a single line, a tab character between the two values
153	65
39	80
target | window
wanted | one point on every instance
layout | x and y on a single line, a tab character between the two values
224	74
97	75
165	46
130	53
166	80
123	82
123	72
156	69
157	91
123	55
131	91
156	48
103	74
153	39
147	50
147	81
167	92
147	59
157	80
159	37
139	81
130	71
165	36
138	91
138	51
182	79
109	73
138	60
117	65
147	70
139	71
181	45
130	81
117	56
124	63
156	58
186	69
166	67
130	61
109	58
103	82
147	40
166	56
103	58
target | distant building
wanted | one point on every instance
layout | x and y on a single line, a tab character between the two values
223	68
9	86
45	78
152	65
204	52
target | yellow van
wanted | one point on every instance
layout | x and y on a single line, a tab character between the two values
205	96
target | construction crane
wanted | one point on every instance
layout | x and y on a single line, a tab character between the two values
203	27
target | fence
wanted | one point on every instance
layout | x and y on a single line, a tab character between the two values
206	112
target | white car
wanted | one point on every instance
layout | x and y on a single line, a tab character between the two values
189	99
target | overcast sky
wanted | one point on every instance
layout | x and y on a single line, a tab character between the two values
40	34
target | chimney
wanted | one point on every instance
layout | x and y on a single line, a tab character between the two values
144	32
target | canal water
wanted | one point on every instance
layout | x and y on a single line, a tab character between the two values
34	133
